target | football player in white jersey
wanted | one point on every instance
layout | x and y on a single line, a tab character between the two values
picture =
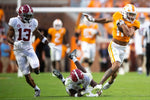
138	42
19	35
77	84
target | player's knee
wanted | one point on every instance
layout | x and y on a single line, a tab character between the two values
115	66
125	60
36	71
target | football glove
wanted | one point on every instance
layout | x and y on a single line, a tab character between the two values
89	18
52	46
18	44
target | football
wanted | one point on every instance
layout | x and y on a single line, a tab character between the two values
120	28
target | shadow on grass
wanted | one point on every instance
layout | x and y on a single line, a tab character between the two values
125	96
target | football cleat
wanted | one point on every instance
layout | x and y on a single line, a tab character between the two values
106	85
98	88
73	54
58	74
37	93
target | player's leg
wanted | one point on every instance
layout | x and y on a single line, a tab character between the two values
147	63
24	67
116	54
139	59
33	60
59	75
111	71
58	54
72	56
110	82
85	59
53	55
115	60
58	65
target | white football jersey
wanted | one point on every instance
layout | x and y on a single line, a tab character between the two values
138	38
23	31
78	85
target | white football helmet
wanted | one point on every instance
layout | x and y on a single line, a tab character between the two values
57	24
141	18
129	12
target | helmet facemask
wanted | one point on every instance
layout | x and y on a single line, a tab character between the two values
57	24
27	17
131	16
141	18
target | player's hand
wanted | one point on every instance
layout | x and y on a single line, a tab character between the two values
51	45
120	22
89	18
18	44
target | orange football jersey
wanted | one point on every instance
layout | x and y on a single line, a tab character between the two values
87	32
57	35
12	56
119	35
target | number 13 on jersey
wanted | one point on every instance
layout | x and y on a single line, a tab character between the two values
24	34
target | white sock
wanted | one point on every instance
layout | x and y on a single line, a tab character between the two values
140	69
74	59
63	79
36	88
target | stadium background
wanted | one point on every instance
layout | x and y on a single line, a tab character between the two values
69	19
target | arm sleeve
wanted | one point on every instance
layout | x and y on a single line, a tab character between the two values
137	24
35	23
12	22
50	31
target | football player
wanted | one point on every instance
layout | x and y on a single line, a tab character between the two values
125	25
21	29
138	42
77	84
88	32
56	35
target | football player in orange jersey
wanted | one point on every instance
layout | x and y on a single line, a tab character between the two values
125	25
56	35
88	32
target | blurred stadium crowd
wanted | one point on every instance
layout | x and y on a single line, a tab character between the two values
70	22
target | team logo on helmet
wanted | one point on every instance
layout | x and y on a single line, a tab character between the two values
26	13
76	75
129	12
57	24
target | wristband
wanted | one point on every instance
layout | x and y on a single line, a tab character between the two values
44	39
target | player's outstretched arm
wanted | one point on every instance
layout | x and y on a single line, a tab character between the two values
98	20
44	39
40	36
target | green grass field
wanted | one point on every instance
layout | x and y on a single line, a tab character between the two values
130	86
